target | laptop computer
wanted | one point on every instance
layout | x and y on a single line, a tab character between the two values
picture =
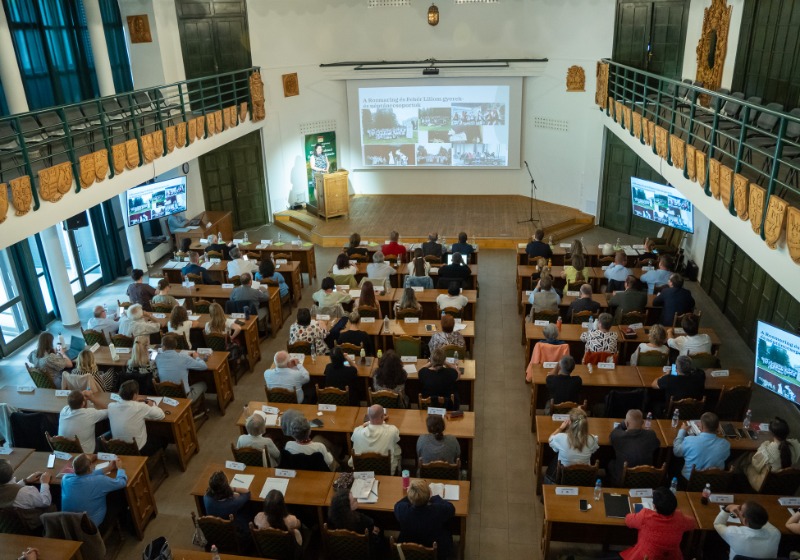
76	344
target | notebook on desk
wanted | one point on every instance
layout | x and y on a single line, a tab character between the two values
617	505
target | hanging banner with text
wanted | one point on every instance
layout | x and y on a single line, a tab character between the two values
328	141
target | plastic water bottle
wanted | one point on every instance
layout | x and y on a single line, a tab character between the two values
380	354
246	310
674	370
219	237
617	246
558	324
313	357
406	480
443	314
550	240
214	552
244	239
673	487
280	238
747	419
706	494
648	421
591	323
676	417
598	490
590	367
363	355
455	357
386	325
105	308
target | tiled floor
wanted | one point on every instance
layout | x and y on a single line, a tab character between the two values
505	519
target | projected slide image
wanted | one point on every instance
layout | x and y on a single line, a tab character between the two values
389	126
434	118
434	154
778	361
395	155
661	204
484	155
150	202
479	113
465	134
434	136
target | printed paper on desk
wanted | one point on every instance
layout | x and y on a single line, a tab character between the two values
94	347
641	492
566	491
367	319
255	285
638	246
6	450
156	400
270	409
565	245
51	460
678	330
62	455
459	327
720	373
418	288
227	286
343	287
606	365
457	320
521	245
549	364
115	397
449	492
411	320
574	294
297	356
159	315
215	260
436	411
269	419
789	501
327	408
242	481
285	473
106	456
169	401
323	317
282	261
207	265
636	326
450	360
408	359
62	392
560	417
194	317
721	498
355	294
585	325
410	369
541	322
233	465
372	496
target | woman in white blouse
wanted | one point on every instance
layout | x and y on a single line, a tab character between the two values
657	343
179	323
419	266
343	266
777	453
572	442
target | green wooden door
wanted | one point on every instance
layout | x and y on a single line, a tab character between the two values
632	33
650	35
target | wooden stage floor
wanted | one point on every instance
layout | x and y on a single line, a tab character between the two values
490	219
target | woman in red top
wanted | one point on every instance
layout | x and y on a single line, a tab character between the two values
660	531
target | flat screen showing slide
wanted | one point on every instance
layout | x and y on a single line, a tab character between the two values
778	361
156	200
447	123
662	204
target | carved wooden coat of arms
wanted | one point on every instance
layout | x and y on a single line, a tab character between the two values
3	202
576	79
55	181
21	194
755	208
793	233
740	184
258	111
773	225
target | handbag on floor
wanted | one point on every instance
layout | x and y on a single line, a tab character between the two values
157	550
198	538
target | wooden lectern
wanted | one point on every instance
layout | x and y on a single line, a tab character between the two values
332	194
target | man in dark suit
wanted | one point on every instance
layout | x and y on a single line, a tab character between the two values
432	246
194	268
584	302
674	299
456	270
215	246
538	248
631	299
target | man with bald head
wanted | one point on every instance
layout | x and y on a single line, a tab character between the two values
287	373
103	323
87	488
632	444
376	436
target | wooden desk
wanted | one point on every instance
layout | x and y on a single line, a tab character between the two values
563	520
524	273
138	492
739	446
317	373
419	330
303	253
627	346
186	554
49	549
217	271
427	298
341	420
571	334
17	456
211	223
705	514
560	254
291	272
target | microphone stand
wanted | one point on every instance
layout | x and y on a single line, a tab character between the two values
533	193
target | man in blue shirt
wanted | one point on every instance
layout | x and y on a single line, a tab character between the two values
462	246
660	276
703	451
618	272
174	366
194	268
86	490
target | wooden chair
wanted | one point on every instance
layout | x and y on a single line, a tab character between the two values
181	341
345	280
618	403
688	409
300	347
217	342
451	349
433	259
278	395
441	470
91	337
440	402
253	256
123	304
196	278
407	345
605	260
412	551
407	313
341	544
162	308
676	320
652	359
577	475
250	456
201	306
121	341
281	256
632	317
641	263
11	523
566	406
375	462
286	301
385	398
453	312
549	316
783	482
65	444
122	447
643	476
733	402
704	360
349	348
235	280
580	317
214	254
368	311
720	480
176	391
40	378
218	531
332	395
359	258
273	543
595	357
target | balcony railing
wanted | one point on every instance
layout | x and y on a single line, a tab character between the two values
760	143
143	125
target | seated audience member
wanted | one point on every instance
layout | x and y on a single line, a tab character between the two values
777	453
87	375
561	386
288	373
756	537
28	501
378	269
140	367
390	375
162	296
352	334
368	298
703	451
538	248
276	516
238	265
328	296
551	349
354	247
660	531
657	337
437	379
46	359
393	248
194	268
255	438
424	519
689	383
632	445
103	323
375	436
173	367
447	336
456	270
342	375
408	301
222	500
186	242
631	299
692	343
266	271
219	324
304	445
127	418
576	248
216	246
544	297
674	300
577	271
452	298
432	246
649	250
253	297
308	330
617	272
177	221
583	303
418	265
601	339
659	276
180	325
572	443
435	445
87	489
139	292
137	322
343	514
79	420
343	267
462	246
541	270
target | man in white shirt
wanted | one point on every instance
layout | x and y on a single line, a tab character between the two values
136	322
453	297
378	269
238	266
375	436
288	373
756	537
127	418
29	501
617	272
77	419
103	323
692	343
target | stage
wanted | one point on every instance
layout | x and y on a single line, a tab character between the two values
490	221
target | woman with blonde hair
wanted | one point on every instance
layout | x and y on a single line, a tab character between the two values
218	323
572	442
180	324
657	343
140	367
407	301
424	519
577	271
86	375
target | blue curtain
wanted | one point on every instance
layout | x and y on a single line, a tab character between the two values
117	46
3	104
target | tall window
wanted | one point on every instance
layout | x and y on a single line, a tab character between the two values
3	103
13	317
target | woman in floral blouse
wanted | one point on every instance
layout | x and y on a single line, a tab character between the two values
306	330
446	335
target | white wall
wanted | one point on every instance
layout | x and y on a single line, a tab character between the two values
298	36
694	29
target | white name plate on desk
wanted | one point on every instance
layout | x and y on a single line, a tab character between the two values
285	473
641	492
62	392
636	326
282	261
169	401
270	409
61	455
721	498
574	294
26	389
327	408
566	491
323	317
367	319
549	364
789	501
408	359
720	373
606	365
106	456
560	417
411	320
541	323
433	410
227	286
417	288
